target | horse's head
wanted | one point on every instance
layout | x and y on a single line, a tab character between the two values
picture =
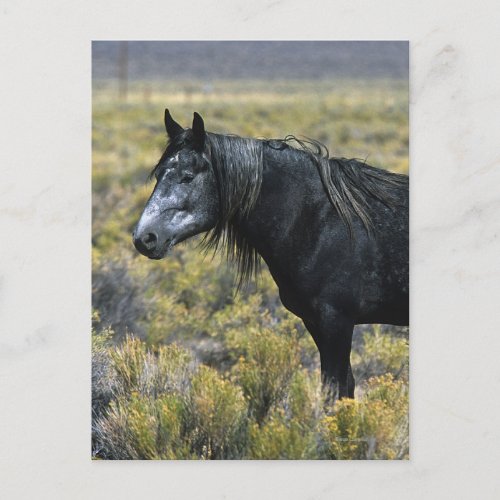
184	201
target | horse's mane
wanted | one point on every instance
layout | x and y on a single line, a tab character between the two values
350	182
238	164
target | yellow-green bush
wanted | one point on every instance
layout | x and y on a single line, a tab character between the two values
218	413
282	438
161	405
374	427
265	373
142	428
382	353
164	407
292	429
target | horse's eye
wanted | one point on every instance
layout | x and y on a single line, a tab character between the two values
187	178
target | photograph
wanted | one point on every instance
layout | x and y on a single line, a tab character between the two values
250	250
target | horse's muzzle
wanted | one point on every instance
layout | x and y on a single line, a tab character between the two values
146	243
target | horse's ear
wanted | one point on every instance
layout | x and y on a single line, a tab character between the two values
173	128
198	132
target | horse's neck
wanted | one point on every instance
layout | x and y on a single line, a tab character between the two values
291	191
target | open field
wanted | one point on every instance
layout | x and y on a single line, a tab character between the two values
208	374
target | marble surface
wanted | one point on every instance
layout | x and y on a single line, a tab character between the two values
45	167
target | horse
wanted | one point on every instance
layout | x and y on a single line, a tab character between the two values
332	231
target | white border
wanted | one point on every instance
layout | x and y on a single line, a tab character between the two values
45	249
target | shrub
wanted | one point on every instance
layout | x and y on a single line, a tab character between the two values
292	430
375	427
148	396
128	361
306	399
102	373
217	416
143	428
282	438
151	373
380	353
169	320
118	297
163	407
154	404
265	373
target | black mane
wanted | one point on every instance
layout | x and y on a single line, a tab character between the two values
237	163
349	183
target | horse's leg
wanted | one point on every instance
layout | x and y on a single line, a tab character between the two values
351	384
335	366
333	337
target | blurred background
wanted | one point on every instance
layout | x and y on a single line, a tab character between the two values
257	357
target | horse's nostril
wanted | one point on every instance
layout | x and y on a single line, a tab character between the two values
149	240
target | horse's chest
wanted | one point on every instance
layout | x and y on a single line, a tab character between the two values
296	301
298	290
